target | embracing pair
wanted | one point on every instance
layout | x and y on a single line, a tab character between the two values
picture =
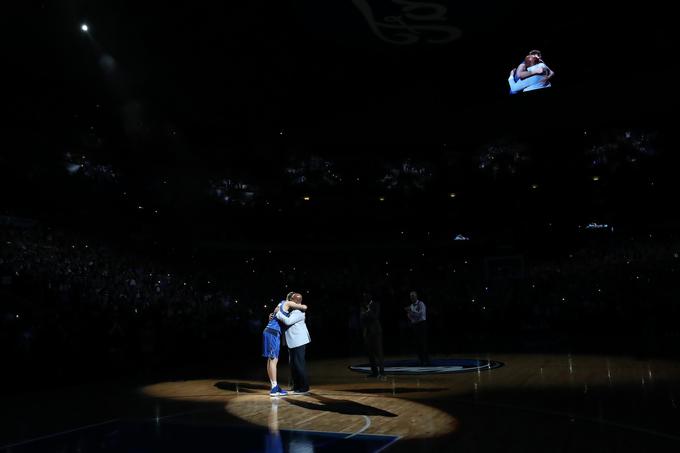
287	320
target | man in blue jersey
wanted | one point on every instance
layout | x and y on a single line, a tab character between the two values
271	340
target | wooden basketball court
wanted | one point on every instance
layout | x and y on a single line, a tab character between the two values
532	403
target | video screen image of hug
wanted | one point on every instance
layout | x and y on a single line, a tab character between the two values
531	74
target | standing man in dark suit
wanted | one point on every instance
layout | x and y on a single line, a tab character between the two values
372	333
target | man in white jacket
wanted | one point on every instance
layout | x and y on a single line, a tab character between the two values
297	337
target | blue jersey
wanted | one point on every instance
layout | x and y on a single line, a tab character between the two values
274	323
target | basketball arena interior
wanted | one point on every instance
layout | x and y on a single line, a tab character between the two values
361	226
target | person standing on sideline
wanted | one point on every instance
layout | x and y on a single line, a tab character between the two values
417	316
372	333
297	338
271	344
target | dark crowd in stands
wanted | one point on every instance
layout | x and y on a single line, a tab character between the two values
71	306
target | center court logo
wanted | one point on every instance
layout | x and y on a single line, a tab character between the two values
440	366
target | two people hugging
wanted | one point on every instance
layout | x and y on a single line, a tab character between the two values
532	74
288	319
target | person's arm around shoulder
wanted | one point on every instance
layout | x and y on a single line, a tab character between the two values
522	72
290	306
293	317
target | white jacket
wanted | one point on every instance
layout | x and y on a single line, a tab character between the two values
296	329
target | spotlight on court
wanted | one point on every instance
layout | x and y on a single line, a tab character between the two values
84	28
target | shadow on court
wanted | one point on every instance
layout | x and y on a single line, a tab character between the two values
339	406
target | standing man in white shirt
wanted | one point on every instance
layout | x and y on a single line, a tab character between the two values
297	337
417	316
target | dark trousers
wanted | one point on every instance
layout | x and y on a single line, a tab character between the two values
298	372
374	348
420	338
